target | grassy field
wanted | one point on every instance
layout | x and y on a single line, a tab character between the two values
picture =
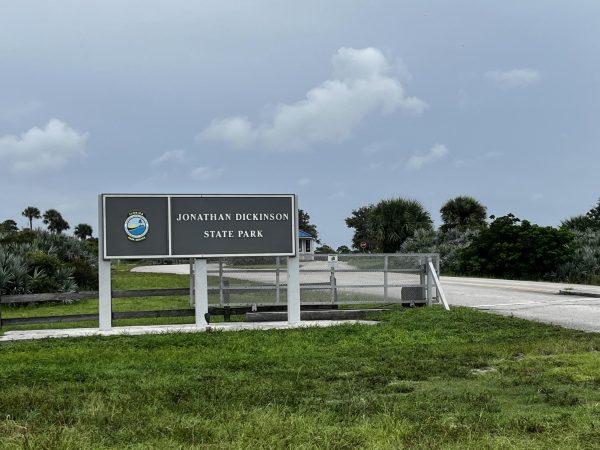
423	378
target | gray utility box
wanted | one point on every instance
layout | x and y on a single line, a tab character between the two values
412	293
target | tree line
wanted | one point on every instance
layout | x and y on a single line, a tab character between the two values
53	220
471	243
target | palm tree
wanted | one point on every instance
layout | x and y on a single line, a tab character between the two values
463	212
83	231
584	222
31	212
55	222
394	220
578	223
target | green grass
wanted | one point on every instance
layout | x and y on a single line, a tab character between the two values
423	378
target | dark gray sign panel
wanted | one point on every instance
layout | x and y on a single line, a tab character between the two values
197	226
120	215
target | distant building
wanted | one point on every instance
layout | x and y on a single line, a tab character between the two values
306	249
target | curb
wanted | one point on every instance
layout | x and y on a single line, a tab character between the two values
579	293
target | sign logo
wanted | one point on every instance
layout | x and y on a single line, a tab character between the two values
136	226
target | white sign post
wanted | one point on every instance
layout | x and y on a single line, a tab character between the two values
293	286
201	292
104	282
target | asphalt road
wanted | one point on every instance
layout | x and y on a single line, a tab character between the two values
525	299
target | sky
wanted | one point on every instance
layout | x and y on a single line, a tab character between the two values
342	102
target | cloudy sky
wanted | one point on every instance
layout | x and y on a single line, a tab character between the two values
342	102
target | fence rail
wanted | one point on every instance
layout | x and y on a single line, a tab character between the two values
225	311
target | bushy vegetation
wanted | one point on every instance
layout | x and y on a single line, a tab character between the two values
447	244
584	264
507	247
517	249
33	261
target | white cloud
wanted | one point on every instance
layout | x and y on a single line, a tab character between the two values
171	155
206	173
513	78
416	162
363	82
38	149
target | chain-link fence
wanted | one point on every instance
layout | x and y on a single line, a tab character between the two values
335	279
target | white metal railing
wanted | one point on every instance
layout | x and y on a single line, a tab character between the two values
410	279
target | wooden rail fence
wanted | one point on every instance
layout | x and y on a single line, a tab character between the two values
225	310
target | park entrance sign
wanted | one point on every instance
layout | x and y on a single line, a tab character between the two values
197	226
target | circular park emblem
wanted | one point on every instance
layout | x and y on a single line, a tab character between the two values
136	226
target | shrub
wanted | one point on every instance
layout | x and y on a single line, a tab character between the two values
85	275
43	261
448	244
37	261
511	248
584	264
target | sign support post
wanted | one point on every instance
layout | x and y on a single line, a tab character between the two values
293	279
104	295
293	289
104	278
201	291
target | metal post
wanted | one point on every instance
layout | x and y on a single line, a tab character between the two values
439	274
439	289
385	277
226	293
220	281
104	277
422	275
293	289
277	288
332	283
201	292
104	295
429	282
191	282
293	277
